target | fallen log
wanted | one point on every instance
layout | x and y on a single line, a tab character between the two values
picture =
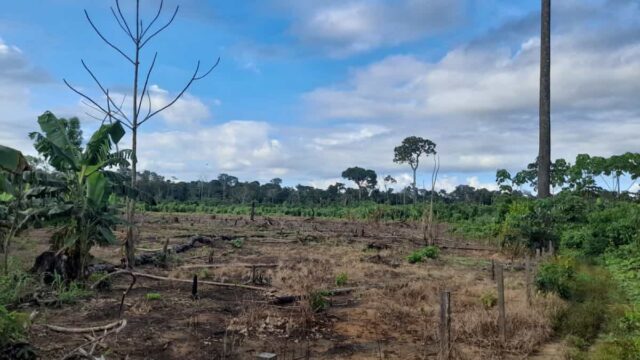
288	299
205	266
152	257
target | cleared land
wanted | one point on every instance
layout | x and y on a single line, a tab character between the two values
391	312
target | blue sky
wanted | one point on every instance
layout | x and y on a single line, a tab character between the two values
307	88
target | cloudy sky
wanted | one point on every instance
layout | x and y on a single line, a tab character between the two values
307	88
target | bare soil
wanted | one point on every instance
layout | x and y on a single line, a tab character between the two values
394	313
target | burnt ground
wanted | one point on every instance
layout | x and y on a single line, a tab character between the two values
392	314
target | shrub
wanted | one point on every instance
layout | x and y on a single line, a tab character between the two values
318	301
575	238
430	252
557	276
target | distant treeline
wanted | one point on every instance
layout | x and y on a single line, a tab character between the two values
227	189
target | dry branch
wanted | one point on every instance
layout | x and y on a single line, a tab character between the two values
97	340
74	330
212	283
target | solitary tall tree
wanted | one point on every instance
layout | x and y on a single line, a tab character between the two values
410	151
364	178
544	155
140	33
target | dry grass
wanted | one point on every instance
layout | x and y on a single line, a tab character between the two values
395	315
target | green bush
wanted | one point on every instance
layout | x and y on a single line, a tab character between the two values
318	301
557	276
575	238
430	252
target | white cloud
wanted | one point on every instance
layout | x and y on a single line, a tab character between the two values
479	102
240	147
350	135
17	75
188	110
345	27
475	182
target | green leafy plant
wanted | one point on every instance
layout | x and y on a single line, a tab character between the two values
341	279
86	218
237	243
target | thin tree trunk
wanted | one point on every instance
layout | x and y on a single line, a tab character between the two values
544	156
415	189
130	246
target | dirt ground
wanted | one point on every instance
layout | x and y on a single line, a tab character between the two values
393	312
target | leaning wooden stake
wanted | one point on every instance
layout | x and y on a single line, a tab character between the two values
445	325
501	316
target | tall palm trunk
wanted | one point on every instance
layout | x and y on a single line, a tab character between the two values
544	156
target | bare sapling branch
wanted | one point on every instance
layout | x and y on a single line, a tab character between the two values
106	40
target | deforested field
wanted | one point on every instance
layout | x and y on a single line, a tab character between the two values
299	288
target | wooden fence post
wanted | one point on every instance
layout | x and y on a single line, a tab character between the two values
493	270
528	278
551	248
194	288
445	325
253	210
502	323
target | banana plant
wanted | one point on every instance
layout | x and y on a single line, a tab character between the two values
12	218
85	217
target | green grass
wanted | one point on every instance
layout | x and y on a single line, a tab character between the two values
69	293
153	296
12	327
